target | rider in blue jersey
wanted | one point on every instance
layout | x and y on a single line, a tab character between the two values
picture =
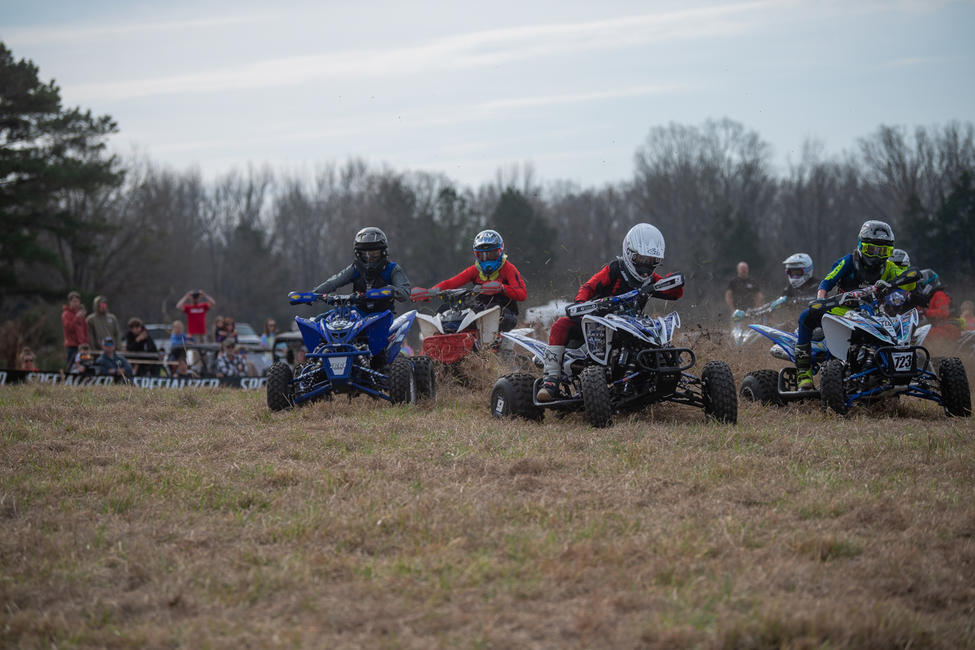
867	265
371	270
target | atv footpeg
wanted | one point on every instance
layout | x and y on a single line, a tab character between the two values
788	387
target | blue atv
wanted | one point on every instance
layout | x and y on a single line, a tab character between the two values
351	351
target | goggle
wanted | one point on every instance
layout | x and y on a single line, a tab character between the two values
875	250
795	273
487	256
645	260
370	256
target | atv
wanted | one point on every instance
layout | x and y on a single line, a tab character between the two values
625	363
866	354
353	352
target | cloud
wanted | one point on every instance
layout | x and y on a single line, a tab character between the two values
474	50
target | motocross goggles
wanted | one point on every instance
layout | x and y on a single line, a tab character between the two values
370	255
487	256
645	264
795	273
875	250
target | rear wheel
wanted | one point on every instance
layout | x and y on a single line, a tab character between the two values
718	389
426	380
402	383
512	397
761	386
831	386
955	393
279	391
595	396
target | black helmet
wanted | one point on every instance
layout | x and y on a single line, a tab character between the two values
368	241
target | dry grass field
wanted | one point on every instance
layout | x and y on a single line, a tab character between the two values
135	518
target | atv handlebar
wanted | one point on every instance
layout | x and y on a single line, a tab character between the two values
419	294
310	297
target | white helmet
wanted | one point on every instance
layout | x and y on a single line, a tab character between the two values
900	257
643	249
798	268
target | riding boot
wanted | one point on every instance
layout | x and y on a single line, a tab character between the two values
552	371
804	366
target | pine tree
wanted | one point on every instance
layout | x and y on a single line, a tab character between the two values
48	154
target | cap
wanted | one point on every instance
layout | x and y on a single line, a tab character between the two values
108	341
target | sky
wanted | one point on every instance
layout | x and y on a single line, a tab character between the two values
465	89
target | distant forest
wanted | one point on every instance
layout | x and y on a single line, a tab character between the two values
76	217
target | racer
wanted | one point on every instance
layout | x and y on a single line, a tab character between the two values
371	269
933	300
901	258
799	273
501	283
868	264
643	250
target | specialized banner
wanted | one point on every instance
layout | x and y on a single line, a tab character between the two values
8	377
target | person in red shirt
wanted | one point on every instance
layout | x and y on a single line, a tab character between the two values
935	303
501	283
196	304
643	250
75	327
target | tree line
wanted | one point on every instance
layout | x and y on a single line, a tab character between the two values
76	217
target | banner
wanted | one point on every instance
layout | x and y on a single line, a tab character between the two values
9	377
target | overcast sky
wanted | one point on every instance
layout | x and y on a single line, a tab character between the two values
463	88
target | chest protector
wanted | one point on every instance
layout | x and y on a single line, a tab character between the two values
363	281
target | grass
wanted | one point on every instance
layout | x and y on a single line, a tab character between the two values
198	519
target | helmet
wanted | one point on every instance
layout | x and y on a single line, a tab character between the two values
488	251
875	245
900	257
929	282
370	248
643	249
798	268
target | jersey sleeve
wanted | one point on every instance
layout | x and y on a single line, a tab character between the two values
400	284
595	285
464	277
670	294
840	267
514	285
343	277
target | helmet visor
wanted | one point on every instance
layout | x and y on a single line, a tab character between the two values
645	264
370	255
875	250
488	256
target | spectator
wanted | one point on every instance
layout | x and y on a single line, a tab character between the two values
25	360
267	338
102	324
137	340
196	303
178	340
219	330
75	327
229	329
229	363
180	368
83	362
742	292
110	363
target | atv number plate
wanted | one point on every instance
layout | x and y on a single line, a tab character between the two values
337	364
902	361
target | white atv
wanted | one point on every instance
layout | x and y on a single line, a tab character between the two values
625	363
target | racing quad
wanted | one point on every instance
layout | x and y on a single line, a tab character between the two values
864	355
625	363
460	327
353	352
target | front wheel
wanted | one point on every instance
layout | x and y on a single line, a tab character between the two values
955	394
402	382
426	379
596	397
512	397
718	389
280	394
761	386
831	387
